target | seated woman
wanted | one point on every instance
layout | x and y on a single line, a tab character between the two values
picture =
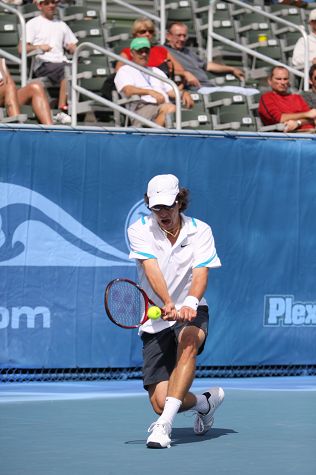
159	56
12	98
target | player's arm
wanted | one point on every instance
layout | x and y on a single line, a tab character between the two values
159	286
196	292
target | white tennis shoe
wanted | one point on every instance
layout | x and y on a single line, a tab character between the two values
62	118
160	435
203	422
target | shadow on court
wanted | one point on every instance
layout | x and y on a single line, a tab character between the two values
184	435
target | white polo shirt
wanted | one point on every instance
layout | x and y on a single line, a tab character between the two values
129	76
195	247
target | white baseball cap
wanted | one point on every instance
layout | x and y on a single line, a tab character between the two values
162	190
312	15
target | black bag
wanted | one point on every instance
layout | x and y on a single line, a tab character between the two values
108	86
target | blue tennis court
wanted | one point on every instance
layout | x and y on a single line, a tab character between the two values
266	425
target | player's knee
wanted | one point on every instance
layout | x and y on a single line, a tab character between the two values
189	345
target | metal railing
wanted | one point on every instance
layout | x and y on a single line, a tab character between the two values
76	89
21	61
251	52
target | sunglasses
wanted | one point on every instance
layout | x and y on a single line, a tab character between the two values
142	51
158	208
145	30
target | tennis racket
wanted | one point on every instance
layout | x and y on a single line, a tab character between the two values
126	303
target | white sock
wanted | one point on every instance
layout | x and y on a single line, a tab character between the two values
202	404
172	406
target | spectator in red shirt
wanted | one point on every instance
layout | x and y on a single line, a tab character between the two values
279	105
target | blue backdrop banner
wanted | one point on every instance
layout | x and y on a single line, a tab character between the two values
66	200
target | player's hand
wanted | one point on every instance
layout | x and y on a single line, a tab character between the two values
170	312
186	314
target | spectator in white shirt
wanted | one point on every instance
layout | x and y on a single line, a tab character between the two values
52	36
299	49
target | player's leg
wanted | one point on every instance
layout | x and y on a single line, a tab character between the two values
159	354
204	404
190	339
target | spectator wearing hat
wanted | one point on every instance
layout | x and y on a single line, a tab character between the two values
53	37
154	102
280	106
299	49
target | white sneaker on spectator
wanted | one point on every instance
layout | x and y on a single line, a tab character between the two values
62	118
160	435
203	422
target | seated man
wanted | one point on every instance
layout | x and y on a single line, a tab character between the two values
33	93
154	94
52	36
279	105
299	49
177	35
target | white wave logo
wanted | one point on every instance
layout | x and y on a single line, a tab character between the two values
139	210
48	236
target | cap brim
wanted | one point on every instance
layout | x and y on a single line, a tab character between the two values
162	199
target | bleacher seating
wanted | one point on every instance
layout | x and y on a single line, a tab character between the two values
110	28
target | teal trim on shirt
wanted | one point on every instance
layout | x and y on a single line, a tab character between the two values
149	256
204	264
194	222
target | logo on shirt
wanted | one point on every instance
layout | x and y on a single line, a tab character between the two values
283	311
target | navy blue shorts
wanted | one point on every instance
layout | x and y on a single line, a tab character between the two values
55	72
160	349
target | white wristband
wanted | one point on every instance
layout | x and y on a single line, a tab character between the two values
191	302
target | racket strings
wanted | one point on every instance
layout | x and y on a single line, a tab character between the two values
126	304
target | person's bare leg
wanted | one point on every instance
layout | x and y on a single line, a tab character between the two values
190	339
35	94
163	111
183	374
62	99
11	102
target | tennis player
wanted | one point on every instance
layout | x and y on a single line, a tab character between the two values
173	254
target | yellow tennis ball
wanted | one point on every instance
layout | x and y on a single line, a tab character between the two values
154	313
